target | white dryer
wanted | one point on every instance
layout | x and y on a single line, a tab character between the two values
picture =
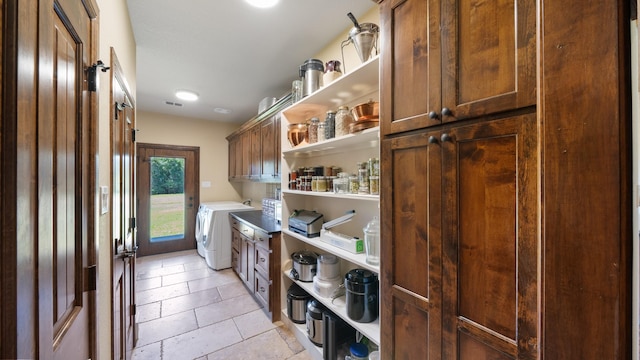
213	232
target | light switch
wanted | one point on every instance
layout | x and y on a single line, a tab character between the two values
206	184
104	200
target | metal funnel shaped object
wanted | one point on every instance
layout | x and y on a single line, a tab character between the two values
365	39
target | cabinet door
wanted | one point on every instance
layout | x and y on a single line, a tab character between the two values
410	65
489	57
232	157
268	158
277	161
256	151
411	247
489	217
246	153
238	154
247	256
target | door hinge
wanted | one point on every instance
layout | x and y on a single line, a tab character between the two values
133	135
132	223
92	278
134	308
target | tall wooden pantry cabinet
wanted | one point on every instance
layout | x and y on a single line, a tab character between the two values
505	181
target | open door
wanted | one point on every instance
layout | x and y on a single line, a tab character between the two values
123	212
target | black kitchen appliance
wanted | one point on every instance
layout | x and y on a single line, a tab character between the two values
306	223
362	295
335	333
297	304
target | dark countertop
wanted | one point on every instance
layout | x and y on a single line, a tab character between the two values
257	219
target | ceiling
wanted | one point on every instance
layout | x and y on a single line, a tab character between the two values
230	53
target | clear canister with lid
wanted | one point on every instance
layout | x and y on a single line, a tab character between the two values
354	184
313	130
341	183
330	125
343	120
321	131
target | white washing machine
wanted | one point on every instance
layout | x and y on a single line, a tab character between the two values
213	232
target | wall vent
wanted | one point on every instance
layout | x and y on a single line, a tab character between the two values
173	103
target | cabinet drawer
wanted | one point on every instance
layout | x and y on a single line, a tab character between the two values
262	261
243	228
261	238
261	290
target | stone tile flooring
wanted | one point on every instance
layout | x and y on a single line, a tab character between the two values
188	311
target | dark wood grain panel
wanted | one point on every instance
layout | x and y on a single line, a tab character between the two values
489	56
410	64
487	171
587	196
490	236
473	349
411	243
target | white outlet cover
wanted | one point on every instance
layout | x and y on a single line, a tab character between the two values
206	184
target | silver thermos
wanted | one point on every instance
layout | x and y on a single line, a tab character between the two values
311	73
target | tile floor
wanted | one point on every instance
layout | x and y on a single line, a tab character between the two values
188	311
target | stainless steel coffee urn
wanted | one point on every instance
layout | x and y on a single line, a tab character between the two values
311	72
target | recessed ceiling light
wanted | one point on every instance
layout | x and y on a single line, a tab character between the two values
263	3
186	95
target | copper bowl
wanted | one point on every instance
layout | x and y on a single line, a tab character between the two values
297	133
366	111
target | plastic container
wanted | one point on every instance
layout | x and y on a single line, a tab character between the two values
372	241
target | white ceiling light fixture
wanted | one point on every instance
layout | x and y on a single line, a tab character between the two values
263	3
187	95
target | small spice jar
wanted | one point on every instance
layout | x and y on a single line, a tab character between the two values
354	184
313	130
374	185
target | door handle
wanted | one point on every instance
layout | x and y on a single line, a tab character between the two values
128	253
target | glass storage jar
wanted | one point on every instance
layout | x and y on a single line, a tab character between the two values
321	131
313	130
330	125
343	120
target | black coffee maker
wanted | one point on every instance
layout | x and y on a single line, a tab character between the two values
362	295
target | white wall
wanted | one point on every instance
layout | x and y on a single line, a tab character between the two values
209	136
635	99
116	32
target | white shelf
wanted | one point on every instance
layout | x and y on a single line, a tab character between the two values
339	307
300	332
359	85
365	139
357	259
329	194
356	87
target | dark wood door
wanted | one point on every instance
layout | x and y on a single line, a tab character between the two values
411	304
410	65
268	148
233	156
65	195
245	143
490	238
488	57
167	193
255	152
122	214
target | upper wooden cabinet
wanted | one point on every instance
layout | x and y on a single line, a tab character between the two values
448	60
254	150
